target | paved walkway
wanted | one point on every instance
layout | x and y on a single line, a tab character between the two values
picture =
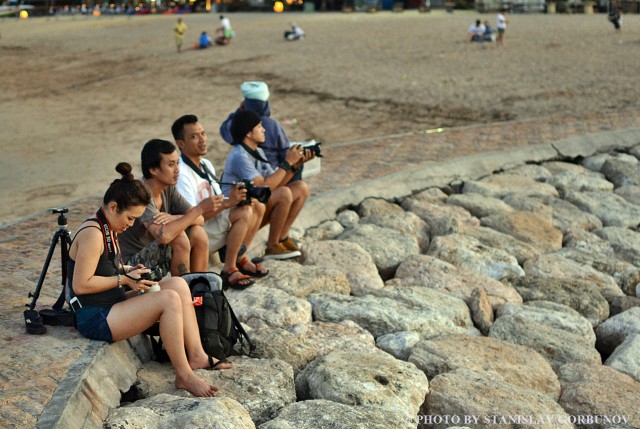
33	366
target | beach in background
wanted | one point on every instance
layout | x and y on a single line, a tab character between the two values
79	94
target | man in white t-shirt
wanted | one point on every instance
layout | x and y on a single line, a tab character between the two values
232	224
501	24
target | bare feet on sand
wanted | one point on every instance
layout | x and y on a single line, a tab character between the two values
197	386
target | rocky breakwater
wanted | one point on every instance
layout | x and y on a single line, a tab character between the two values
507	301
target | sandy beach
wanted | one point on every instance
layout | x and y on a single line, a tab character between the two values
81	94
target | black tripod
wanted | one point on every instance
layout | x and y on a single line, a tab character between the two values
56	316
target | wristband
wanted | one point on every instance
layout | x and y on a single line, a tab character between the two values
119	280
285	166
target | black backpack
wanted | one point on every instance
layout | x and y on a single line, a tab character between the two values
220	329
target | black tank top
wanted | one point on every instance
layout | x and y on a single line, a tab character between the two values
105	268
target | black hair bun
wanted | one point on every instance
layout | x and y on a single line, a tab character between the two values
124	168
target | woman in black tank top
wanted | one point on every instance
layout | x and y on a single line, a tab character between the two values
97	280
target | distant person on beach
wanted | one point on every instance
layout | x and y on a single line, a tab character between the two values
170	234
179	31
296	33
246	161
615	15
103	308
256	98
476	31
501	25
205	40
224	33
231	224
489	33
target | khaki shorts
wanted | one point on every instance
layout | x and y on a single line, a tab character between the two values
217	229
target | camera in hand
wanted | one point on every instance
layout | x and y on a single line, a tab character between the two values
314	148
260	193
155	275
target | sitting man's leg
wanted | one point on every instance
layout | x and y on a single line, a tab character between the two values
198	249
180	255
283	209
240	218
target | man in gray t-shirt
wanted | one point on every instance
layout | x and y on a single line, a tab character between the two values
170	233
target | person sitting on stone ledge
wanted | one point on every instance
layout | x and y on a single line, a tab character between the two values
170	234
97	281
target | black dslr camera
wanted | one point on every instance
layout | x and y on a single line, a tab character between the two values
314	148
155	275
260	193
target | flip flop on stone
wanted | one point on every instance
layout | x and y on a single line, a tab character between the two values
243	266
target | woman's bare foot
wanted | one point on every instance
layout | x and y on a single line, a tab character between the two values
197	386
205	361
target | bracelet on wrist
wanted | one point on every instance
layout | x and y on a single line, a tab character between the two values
285	166
119	280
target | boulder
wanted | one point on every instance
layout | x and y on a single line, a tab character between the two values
442	219
469	253
272	306
394	309
598	390
356	378
531	171
300	344
479	205
301	280
348	219
611	209
386	246
559	167
560	334
168	412
580	182
531	228
501	185
481	310
492	238
622	172
582	296
626	357
348	258
398	344
320	413
622	303
434	273
262	386
611	333
557	267
630	193
511	363
469	395
325	231
625	243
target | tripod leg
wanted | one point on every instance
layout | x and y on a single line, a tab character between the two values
65	244
36	294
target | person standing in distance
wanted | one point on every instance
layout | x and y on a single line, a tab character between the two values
502	26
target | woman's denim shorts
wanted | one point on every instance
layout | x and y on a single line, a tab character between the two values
91	322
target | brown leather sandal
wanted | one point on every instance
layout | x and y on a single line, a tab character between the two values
241	282
242	266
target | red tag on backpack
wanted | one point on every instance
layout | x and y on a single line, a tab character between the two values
197	301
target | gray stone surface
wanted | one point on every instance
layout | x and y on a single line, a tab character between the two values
511	363
630	193
626	357
500	185
492	238
625	243
301	280
325	231
622	172
270	305
398	344
442	219
579	182
612	332
611	209
531	228
479	205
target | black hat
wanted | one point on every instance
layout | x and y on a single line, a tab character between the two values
242	123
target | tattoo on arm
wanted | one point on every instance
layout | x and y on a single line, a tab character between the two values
182	269
161	232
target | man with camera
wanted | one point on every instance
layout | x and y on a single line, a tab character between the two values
170	234
247	162
234	222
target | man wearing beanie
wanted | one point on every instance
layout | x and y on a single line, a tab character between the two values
256	98
247	161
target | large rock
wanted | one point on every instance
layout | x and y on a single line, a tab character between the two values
490	237
481	399
626	357
169	412
469	253
531	171
611	333
262	386
320	413
560	334
625	243
565	215
557	267
531	228
479	205
398	344
300	344
348	258
442	219
559	167
582	296
272	306
386	246
598	390
394	309
612	209
630	193
325	231
300	281
622	172
356	378
505	361
434	273
405	222
580	182
501	185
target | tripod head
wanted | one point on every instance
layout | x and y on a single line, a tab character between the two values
62	219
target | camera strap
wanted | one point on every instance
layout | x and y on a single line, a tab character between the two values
203	172
110	245
254	153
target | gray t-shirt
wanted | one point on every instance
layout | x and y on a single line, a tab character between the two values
241	165
134	239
